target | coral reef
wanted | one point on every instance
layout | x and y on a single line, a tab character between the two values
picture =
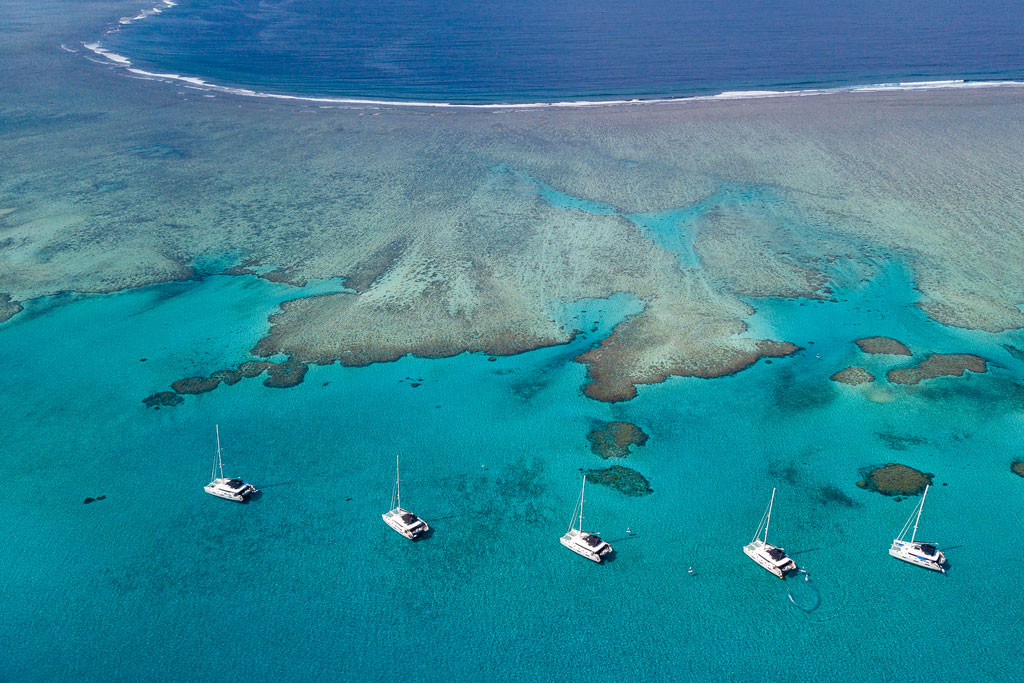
8	307
883	345
613	439
833	495
895	480
253	368
195	385
287	374
900	442
671	338
622	479
853	376
939	365
1017	467
163	398
229	377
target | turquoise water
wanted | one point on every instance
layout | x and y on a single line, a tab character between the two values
161	580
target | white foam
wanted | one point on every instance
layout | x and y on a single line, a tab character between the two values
96	48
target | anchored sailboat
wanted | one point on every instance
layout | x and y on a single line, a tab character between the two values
771	557
925	555
589	545
229	488
399	519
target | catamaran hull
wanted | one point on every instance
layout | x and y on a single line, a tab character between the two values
582	552
572	541
907	553
227	495
395	523
757	555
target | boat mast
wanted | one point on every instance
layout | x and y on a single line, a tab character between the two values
582	493
769	520
920	509
398	483
220	461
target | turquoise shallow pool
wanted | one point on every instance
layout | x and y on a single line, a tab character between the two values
159	579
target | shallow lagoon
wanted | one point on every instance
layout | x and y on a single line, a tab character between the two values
160	579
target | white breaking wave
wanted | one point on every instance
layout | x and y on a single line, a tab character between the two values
166	4
195	82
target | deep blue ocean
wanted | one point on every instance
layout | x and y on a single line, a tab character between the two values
528	50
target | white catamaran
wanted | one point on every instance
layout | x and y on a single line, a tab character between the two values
589	545
925	555
399	519
771	557
229	488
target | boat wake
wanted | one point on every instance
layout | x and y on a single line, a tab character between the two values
803	594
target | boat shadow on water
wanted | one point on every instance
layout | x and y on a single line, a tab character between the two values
280	483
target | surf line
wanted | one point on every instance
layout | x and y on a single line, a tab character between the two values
115	59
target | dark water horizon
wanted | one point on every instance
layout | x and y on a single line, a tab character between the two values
466	52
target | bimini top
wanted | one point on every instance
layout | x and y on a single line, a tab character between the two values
409	518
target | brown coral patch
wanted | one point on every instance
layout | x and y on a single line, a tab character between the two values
163	398
195	385
883	345
287	374
8	308
227	376
622	479
253	368
613	439
939	365
896	480
853	376
1017	467
425	329
280	275
608	383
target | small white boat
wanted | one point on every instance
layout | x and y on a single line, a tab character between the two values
771	557
925	555
229	488
589	545
400	519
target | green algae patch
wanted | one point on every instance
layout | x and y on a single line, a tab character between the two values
895	479
1017	467
853	376
167	399
195	385
883	345
622	479
939	365
614	439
